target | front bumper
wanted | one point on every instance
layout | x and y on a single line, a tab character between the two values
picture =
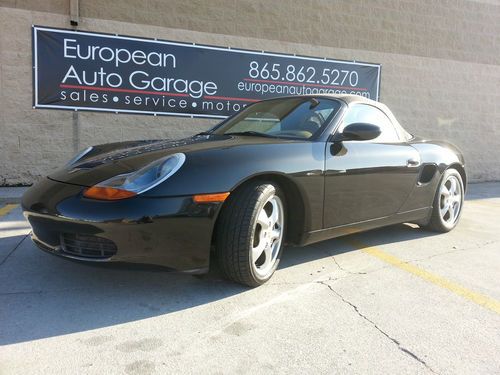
172	232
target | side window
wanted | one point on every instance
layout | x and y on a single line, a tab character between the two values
372	115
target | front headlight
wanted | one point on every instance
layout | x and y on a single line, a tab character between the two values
137	182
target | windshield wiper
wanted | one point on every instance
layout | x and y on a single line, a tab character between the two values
204	133
252	133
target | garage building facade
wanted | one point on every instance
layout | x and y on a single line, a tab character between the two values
440	67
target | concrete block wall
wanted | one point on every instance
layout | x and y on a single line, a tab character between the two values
440	67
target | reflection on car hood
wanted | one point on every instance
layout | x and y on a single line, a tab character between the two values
106	161
123	153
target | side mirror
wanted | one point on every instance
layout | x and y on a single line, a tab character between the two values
359	131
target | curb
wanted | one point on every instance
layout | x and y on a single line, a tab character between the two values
6	200
12	194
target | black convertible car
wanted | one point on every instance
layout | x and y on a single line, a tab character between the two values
287	170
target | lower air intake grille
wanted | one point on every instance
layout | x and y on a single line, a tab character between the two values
87	246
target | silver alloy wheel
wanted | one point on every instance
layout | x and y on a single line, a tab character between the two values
450	200
268	235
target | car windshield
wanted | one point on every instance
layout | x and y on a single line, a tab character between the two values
289	118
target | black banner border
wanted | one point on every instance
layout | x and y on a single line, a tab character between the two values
35	28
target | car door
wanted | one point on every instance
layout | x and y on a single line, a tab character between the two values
367	180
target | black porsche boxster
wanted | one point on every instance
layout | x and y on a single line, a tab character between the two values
289	170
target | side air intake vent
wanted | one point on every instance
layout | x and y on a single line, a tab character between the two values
428	172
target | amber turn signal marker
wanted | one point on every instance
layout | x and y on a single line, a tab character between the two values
107	193
210	198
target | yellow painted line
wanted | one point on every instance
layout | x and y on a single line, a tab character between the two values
7	208
475	297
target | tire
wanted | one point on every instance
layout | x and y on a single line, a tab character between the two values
443	220
242	233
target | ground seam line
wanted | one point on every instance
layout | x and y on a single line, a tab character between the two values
14	249
478	298
396	342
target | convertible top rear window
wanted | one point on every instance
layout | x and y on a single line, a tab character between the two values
299	117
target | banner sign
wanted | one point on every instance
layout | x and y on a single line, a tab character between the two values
100	72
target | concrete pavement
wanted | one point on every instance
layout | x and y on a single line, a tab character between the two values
11	194
394	300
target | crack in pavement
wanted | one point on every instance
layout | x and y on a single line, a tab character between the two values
85	289
21	292
474	247
410	261
14	249
392	339
346	270
337	263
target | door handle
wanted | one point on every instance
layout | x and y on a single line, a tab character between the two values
412	162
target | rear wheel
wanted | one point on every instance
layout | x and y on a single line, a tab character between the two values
250	233
448	202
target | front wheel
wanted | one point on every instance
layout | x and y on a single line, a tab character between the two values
250	233
448	202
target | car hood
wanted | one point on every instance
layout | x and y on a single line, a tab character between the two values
106	161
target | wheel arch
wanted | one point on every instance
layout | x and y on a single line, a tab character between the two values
295	223
460	168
